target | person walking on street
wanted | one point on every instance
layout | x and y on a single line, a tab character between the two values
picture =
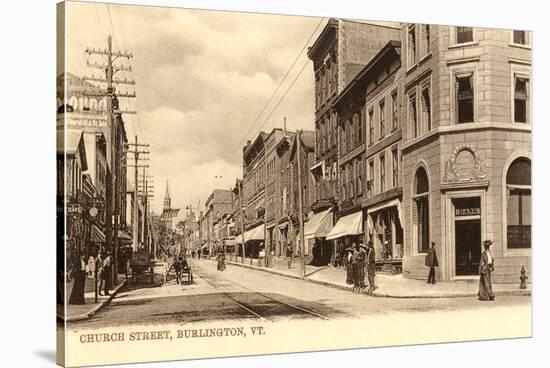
371	262
360	265
79	277
106	276
221	261
431	262
347	263
177	266
486	267
289	255
355	266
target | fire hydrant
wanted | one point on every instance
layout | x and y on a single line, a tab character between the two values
523	278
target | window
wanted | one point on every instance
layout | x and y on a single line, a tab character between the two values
382	118
361	126
395	168
464	34
371	177
520	100
520	37
371	127
413	116
518	188
426	109
382	172
359	174
394	115
411	46
427	46
421	219
464	98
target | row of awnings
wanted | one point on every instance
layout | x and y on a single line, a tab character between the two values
98	236
320	225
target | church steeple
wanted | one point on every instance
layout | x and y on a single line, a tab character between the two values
167	200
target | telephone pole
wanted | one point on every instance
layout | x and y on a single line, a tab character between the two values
300	201
137	151
113	112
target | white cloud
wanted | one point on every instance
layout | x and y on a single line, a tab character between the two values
202	78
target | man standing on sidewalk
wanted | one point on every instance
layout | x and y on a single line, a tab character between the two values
371	261
431	262
289	254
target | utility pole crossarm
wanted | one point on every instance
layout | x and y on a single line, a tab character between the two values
93	51
117	68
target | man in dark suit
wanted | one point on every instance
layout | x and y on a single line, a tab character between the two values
431	262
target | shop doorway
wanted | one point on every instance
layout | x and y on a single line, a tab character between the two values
468	247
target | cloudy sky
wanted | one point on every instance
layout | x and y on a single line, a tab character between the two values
202	79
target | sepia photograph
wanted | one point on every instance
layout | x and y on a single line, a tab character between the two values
233	183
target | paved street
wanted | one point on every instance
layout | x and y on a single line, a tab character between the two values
240	293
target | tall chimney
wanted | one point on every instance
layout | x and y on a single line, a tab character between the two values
284	126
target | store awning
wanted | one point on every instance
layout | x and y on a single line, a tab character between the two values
257	233
230	241
97	235
204	246
283	225
319	225
123	237
347	225
319	167
392	203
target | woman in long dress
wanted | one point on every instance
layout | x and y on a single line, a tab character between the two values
486	266
221	261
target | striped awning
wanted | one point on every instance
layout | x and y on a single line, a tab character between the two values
319	225
97	235
348	225
256	233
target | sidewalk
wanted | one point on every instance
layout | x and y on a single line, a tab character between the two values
389	286
84	311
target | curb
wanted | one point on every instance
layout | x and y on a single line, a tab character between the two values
95	309
382	295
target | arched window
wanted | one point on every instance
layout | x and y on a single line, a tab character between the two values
518	202
421	211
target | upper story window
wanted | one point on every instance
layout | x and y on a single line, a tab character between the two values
413	116
519	37
371	177
521	99
411	46
382	172
426	39
362	119
394	113
371	127
395	167
464	34
426	108
382	118
464	98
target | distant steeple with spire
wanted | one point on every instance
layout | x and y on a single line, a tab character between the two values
167	201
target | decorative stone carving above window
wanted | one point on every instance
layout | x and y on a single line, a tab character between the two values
465	165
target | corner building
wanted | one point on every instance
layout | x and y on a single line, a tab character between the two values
466	149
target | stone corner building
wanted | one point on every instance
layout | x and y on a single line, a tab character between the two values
423	134
466	150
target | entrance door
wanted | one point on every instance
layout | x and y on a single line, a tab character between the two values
468	247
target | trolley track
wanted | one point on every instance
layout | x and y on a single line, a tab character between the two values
246	301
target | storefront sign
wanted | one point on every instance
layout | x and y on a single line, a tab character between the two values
467	211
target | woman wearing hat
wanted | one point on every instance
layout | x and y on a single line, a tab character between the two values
486	266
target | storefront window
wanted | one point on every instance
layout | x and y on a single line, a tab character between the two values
518	188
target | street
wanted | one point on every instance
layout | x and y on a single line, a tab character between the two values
239	293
